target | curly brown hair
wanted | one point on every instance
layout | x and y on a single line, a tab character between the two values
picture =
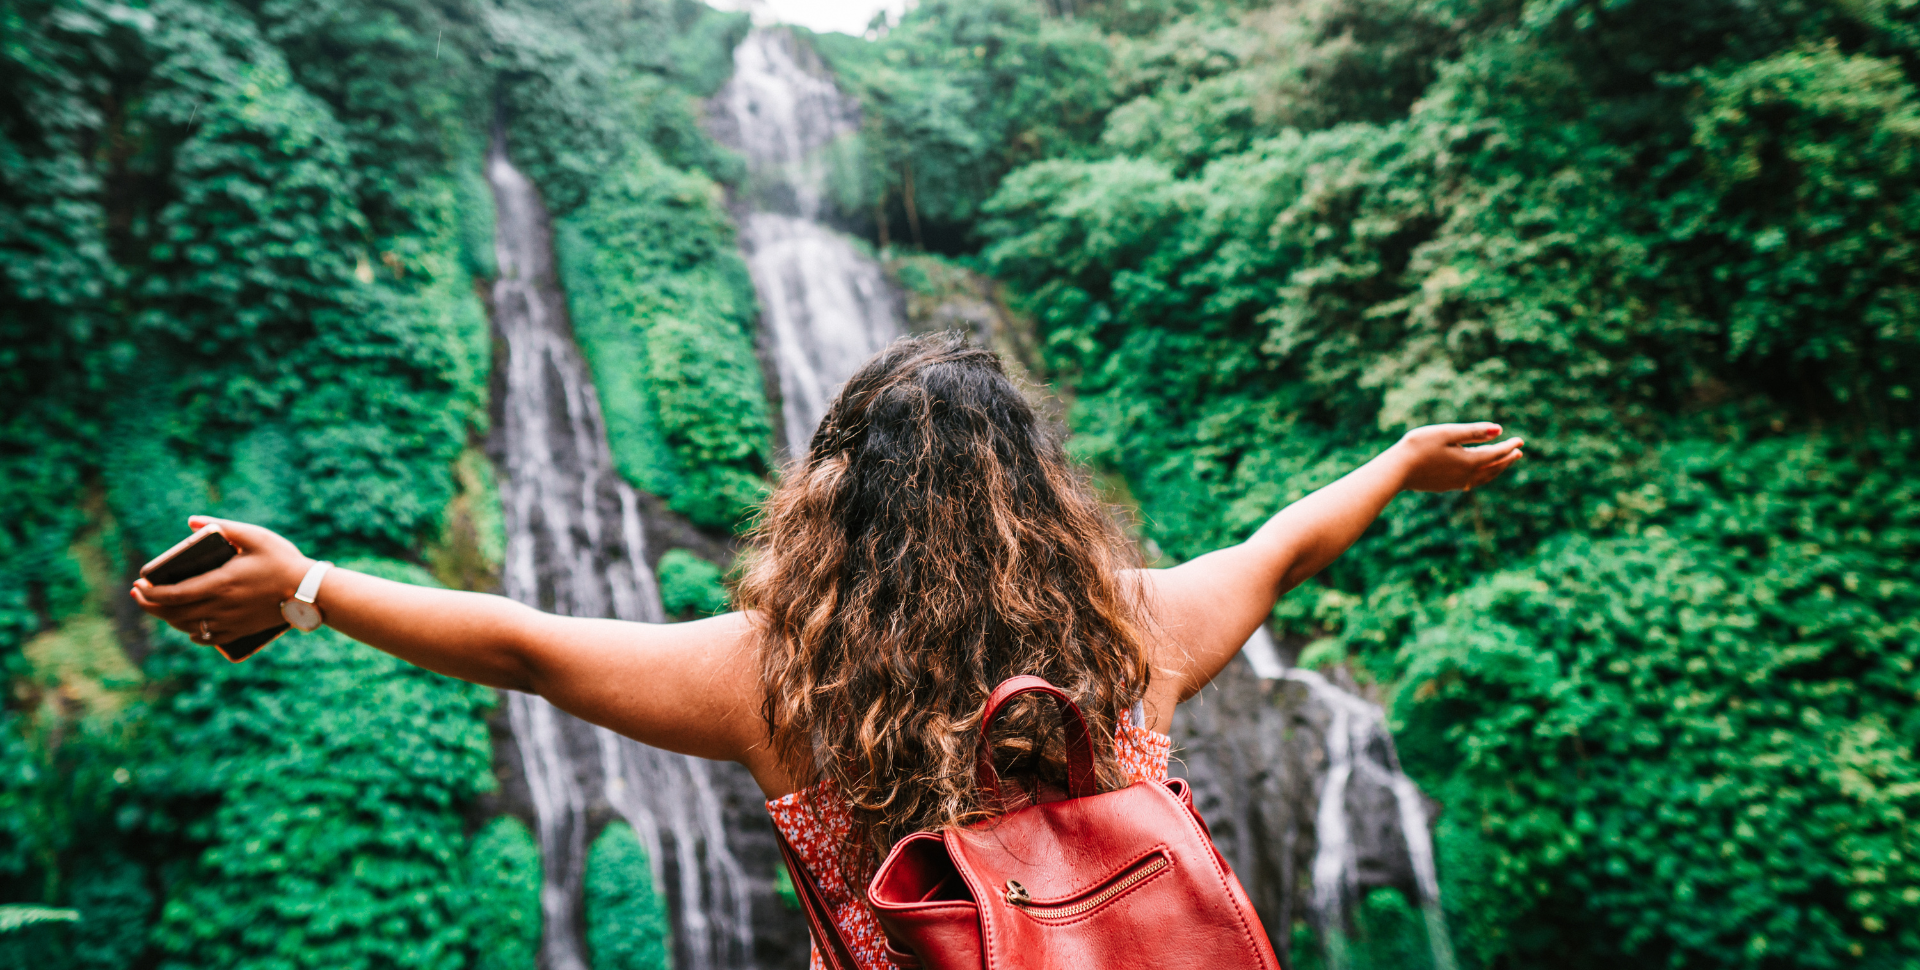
933	542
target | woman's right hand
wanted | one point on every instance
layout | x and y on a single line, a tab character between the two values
1443	457
240	597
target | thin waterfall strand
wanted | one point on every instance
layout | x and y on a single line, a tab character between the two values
1413	822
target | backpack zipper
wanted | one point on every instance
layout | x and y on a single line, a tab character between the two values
1018	896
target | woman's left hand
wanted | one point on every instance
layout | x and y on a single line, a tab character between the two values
1443	457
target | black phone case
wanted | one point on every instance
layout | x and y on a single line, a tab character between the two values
203	556
247	646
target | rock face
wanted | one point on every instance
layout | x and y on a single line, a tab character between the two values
1302	788
1256	751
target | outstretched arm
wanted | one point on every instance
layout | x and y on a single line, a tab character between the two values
1206	608
682	686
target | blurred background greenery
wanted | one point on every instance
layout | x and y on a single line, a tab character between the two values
1661	678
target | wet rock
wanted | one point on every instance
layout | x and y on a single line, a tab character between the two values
1261	753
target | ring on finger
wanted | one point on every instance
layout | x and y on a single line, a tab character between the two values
206	635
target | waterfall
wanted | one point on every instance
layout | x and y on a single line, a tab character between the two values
576	545
826	305
1357	741
1413	821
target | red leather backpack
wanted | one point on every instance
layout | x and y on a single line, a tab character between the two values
1126	878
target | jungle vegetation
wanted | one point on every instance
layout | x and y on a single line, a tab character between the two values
1662	677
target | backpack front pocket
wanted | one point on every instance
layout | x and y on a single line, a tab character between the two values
1085	902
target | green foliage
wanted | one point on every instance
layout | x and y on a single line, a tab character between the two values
699	51
579	80
339	772
954	97
664	311
55	270
783	888
265	223
1662	676
626	918
116	908
1698	735
1811	214
690	585
473	533
66	747
503	869
1279	313
558	92
1388	934
106	929
241	246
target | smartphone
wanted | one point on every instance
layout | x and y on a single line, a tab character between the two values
205	551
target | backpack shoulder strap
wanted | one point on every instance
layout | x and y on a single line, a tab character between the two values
826	936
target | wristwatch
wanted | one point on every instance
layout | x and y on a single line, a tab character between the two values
300	610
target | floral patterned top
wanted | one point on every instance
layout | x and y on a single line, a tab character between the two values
817	823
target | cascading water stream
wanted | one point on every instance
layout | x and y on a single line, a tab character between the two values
826	306
1357	740
576	545
1413	821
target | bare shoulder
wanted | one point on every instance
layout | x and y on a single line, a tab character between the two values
1196	616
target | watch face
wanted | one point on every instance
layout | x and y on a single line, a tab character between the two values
306	616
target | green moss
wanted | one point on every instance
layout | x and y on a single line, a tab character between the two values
690	585
503	871
473	538
626	916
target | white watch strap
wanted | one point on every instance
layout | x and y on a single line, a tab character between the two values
310	584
